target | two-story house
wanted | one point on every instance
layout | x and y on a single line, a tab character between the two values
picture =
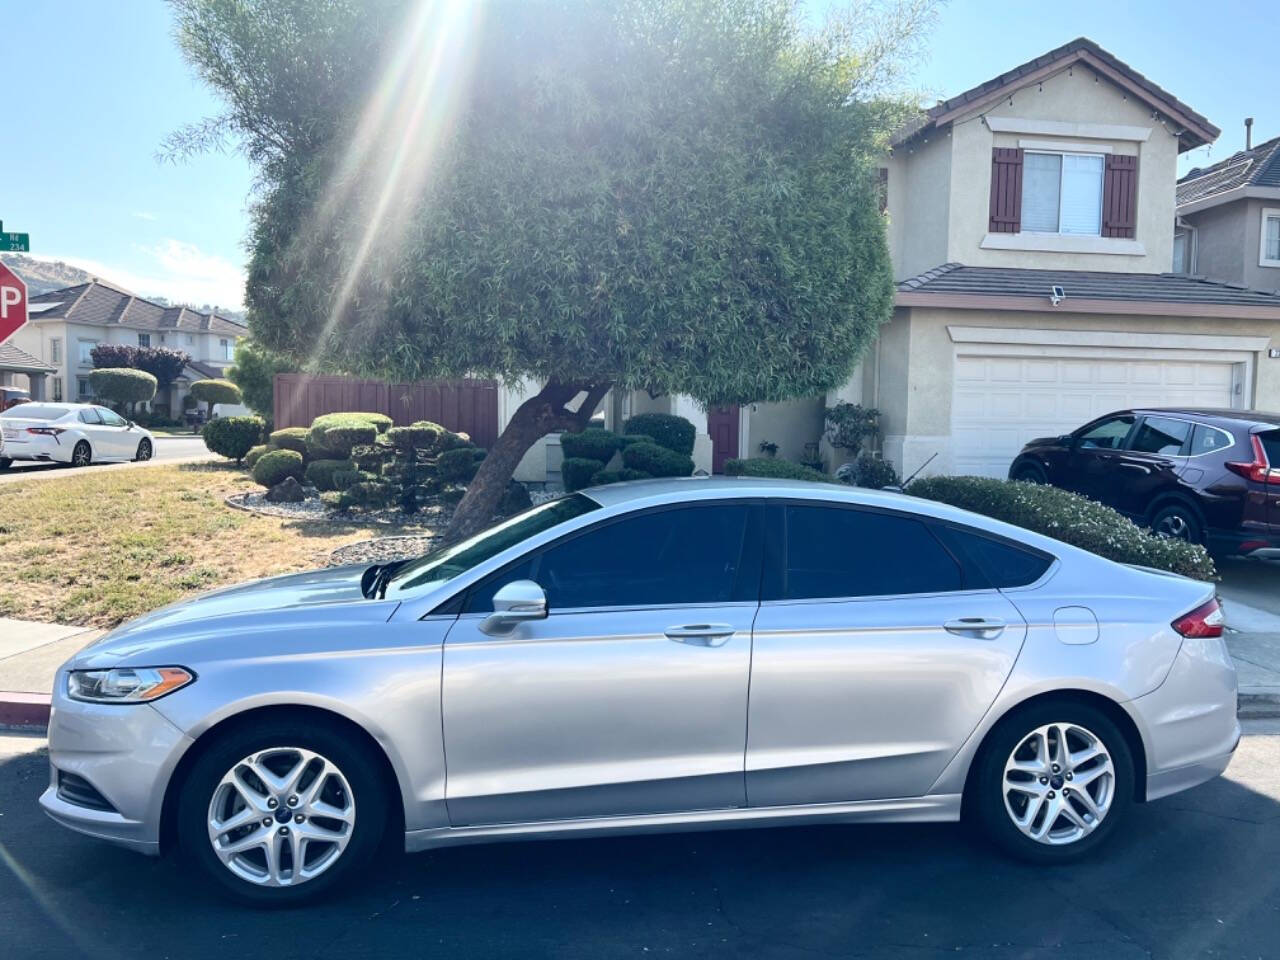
1228	218
65	325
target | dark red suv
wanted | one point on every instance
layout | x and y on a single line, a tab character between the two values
1209	476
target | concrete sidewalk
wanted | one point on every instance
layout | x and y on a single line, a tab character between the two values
30	654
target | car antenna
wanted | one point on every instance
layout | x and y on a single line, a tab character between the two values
904	484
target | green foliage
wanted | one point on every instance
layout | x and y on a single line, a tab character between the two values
290	438
627	439
1070	518
122	385
451	441
873	472
254	373
276	465
164	363
618	476
423	435
578	471
515	499
593	443
254	453
320	473
849	424
666	429
656	461
344	479
367	456
771	467
333	435
457	465
232	437
215	391
366	494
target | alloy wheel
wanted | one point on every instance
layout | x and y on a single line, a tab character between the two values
80	455
1174	525
1059	783
281	816
144	450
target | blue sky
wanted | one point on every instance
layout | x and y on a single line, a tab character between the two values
93	93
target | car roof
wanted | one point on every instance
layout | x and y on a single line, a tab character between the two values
1239	416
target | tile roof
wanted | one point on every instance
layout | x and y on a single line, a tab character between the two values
19	361
101	304
1197	129
1259	167
956	278
205	371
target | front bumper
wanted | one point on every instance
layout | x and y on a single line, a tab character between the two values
126	753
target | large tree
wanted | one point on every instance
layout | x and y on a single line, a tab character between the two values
254	372
675	195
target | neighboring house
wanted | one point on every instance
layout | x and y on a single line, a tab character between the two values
1228	219
65	325
15	363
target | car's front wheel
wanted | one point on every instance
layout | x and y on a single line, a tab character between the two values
281	812
1052	781
144	450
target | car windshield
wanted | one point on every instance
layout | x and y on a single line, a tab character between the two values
33	411
445	564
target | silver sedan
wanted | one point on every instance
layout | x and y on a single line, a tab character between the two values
663	655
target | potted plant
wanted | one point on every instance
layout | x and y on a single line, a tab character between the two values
768	448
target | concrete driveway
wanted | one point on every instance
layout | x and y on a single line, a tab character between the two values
167	450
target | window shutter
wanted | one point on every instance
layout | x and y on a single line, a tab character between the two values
1006	190
1120	197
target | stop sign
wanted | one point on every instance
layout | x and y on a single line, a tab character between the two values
13	303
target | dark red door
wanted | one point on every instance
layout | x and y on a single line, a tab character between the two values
722	425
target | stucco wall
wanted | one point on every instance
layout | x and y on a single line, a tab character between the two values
1255	274
917	204
790	424
1221	242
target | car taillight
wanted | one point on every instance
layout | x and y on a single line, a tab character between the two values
1204	621
45	431
1259	471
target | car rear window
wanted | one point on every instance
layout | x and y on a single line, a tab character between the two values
1271	444
33	411
997	563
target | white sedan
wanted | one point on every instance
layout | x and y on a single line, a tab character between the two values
74	433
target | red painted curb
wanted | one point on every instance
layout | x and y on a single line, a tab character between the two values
24	709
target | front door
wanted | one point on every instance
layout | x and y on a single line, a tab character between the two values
631	696
722	425
1093	468
1150	463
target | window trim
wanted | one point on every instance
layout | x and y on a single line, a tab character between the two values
55	351
1263	259
1102	187
1141	422
141	336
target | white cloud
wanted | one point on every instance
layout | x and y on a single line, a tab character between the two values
144	215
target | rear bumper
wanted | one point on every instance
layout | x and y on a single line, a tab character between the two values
36	448
1262	543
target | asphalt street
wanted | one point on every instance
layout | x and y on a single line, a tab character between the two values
1190	876
167	449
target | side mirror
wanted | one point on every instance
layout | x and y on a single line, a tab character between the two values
514	603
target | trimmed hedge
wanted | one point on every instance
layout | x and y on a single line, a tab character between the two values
232	437
458	465
578	471
275	465
320	473
252	456
770	467
290	438
344	479
1070	518
451	441
666	429
122	384
423	435
657	461
618	476
332	435
370	494
594	443
211	392
875	473
627	439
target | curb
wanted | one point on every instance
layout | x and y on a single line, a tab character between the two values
24	711
1259	704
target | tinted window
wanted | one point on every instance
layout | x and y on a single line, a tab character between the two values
995	563
1206	439
90	416
1271	444
1162	435
833	552
1107	435
679	556
110	418
34	411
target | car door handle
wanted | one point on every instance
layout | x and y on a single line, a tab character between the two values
984	628
701	634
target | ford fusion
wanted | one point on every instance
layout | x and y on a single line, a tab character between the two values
653	656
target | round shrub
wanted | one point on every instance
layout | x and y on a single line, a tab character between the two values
449	440
320	473
668	430
594	443
657	461
770	467
122	385
1070	518
210	392
618	476
254	453
274	465
873	472
367	494
423	435
344	479
290	438
627	439
369	456
458	465
232	437
332	435
578	471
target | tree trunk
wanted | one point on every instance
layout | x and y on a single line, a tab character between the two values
533	420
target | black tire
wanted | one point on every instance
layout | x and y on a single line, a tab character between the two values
1178	520
144	450
5	463
1030	473
985	798
335	744
81	454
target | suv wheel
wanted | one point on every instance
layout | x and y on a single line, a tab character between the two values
1177	521
1030	473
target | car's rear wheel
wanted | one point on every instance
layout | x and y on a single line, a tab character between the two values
81	454
1178	521
1030	473
5	463
1052	781
282	812
144	450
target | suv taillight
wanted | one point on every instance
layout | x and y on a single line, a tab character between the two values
1204	621
1259	471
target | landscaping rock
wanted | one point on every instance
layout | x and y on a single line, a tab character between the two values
381	550
288	490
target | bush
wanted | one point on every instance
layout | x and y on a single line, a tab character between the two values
515	499
594	443
873	472
332	435
666	429
210	392
368	456
657	461
232	437
255	453
451	441
458	465
345	479
122	386
627	439
274	465
320	473
423	435
367	494
771	467
849	424
1070	518
290	438
578	471
618	476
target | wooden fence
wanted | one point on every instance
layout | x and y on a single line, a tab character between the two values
469	406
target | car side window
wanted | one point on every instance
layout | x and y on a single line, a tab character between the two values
1162	435
995	562
1206	439
90	416
111	418
833	552
1109	434
677	556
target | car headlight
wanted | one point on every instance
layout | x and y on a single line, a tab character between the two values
126	684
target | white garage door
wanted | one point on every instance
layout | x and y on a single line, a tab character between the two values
1000	403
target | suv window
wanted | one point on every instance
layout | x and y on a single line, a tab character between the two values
1108	434
993	562
834	552
683	555
1162	435
1206	439
90	416
110	418
1271	445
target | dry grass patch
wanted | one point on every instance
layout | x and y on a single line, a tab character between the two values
106	546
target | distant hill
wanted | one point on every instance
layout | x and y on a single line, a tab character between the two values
44	275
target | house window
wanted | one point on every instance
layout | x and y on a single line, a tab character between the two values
1184	251
57	389
86	352
228	349
190	340
55	351
1270	251
144	339
82	386
1062	193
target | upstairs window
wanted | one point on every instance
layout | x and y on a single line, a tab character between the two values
1270	252
55	351
228	349
1062	193
144	339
